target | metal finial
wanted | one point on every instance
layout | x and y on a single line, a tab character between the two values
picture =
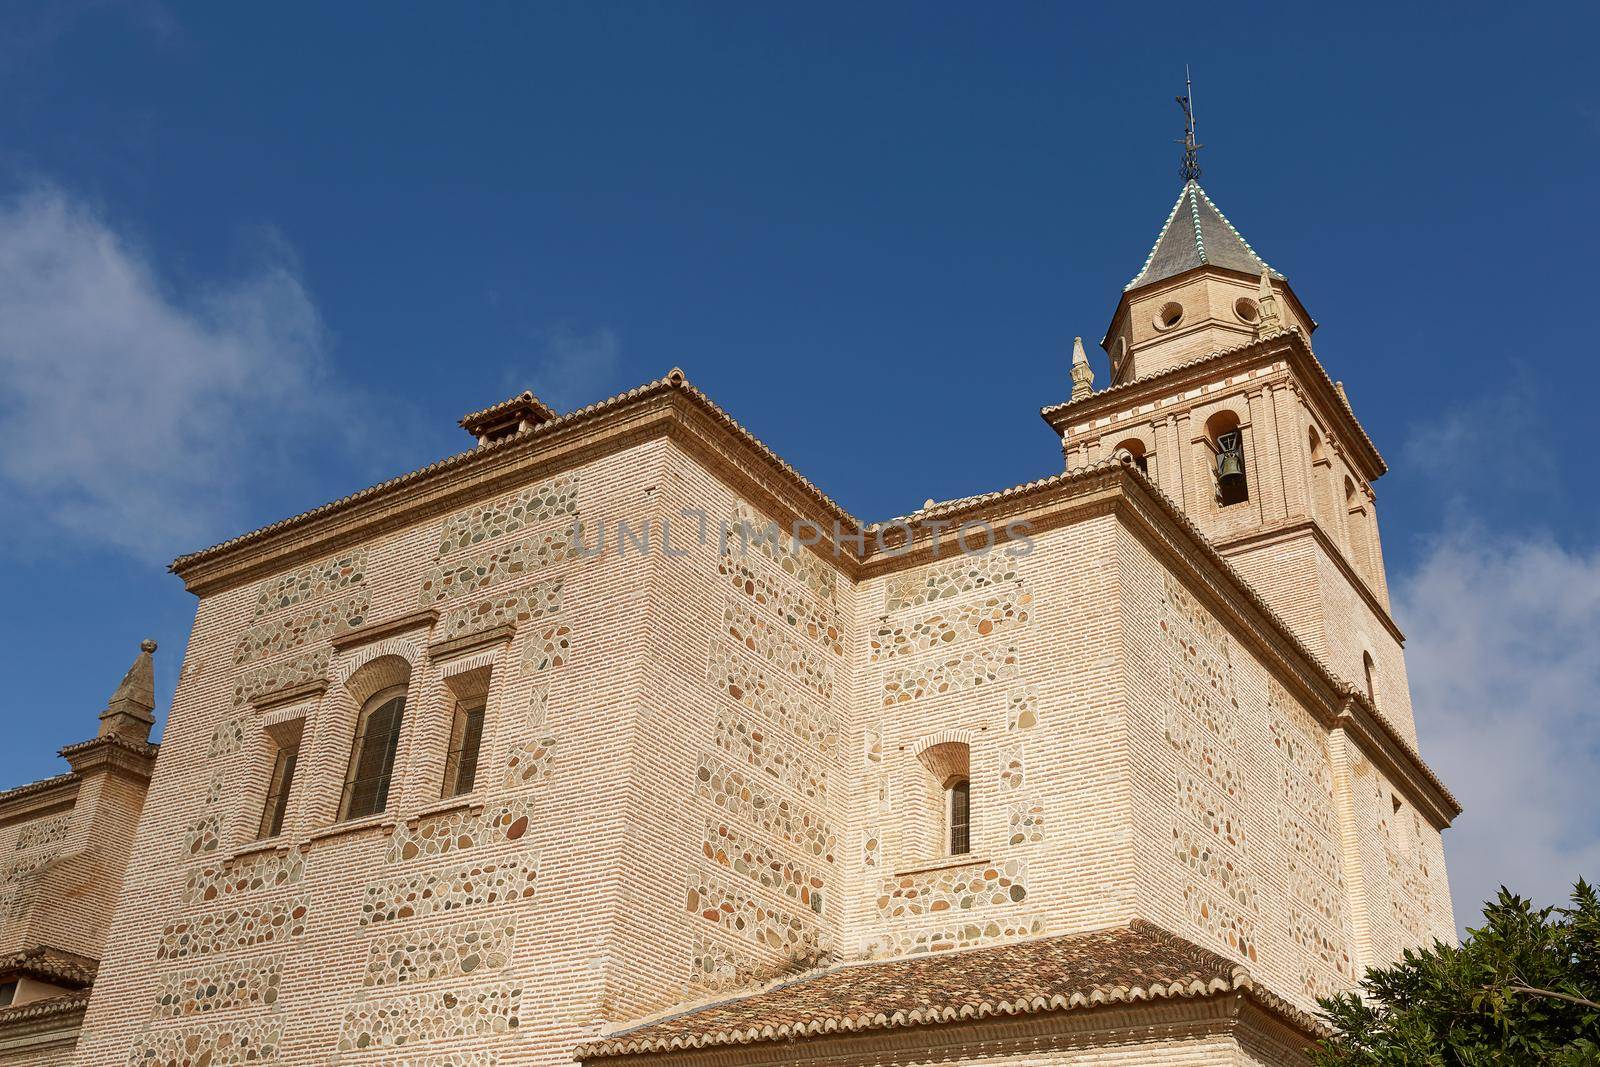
1190	171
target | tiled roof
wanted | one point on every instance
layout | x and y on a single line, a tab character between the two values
1197	234
41	1009
1124	964
674	380
524	400
37	787
51	964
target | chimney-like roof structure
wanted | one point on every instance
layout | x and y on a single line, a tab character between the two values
1196	234
521	412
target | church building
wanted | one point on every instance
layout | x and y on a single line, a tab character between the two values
614	740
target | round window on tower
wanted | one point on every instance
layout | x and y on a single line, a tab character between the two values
1246	309
1170	315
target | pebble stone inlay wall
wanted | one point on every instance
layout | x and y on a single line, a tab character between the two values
813	618
285	674
459	829
446	890
754	533
753	744
716	965
557	498
766	773
437	1015
473	574
221	1044
1319	923
982	618
246	983
749	856
740	913
203	835
248	874
761	691
50	830
445	1059
536	600
958	935
942	581
954	889
1207	837
803	666
275	636
312	582
958	672
734	792
234	928
454	951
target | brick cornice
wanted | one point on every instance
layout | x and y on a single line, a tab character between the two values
667	406
1306	372
35	798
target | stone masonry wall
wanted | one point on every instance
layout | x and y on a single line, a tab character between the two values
443	931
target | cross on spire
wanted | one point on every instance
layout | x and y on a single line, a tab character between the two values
1190	171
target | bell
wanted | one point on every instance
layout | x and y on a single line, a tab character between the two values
1230	463
1230	470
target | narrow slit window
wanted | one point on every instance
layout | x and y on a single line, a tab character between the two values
466	737
372	756
959	801
278	790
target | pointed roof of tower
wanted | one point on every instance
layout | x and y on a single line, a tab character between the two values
1196	234
131	710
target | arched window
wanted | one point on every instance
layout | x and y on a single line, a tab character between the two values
1370	669
947	767
1141	458
958	816
366	786
1355	507
1227	449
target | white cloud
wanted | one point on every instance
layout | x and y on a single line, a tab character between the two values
1504	658
132	414
574	367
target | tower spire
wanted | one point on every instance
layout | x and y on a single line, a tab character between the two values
1082	373
131	711
1190	171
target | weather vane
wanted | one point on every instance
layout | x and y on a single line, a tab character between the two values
1190	171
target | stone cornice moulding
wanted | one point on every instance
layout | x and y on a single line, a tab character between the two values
373	632
306	692
112	753
460	646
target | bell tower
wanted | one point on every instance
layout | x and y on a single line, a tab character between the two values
1216	395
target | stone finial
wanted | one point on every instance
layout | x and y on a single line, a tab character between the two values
1082	373
1270	322
131	711
1338	387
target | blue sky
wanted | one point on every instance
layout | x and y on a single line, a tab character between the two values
250	263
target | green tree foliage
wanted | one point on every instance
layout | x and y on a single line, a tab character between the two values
1522	989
